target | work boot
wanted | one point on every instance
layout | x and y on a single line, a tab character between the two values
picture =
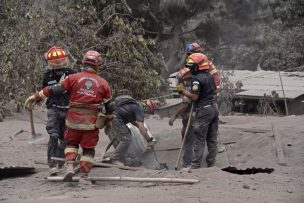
209	165
69	171
83	180
53	171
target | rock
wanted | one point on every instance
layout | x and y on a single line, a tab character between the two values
245	186
289	191
289	144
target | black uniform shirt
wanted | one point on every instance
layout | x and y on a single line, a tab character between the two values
52	77
202	84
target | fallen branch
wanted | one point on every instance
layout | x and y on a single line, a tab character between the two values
104	165
252	130
12	137
130	179
279	147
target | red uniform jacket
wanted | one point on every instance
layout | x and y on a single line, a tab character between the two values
215	75
86	91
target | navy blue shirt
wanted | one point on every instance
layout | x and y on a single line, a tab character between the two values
202	84
130	112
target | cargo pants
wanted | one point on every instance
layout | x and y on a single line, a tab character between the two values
123	136
188	148
55	128
205	127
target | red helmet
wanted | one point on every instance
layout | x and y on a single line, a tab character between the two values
196	47
199	59
56	57
193	48
92	58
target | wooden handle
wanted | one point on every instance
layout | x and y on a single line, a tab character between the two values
185	138
32	122
129	179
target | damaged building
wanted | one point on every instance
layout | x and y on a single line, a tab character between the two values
261	92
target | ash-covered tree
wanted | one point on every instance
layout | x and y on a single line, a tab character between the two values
30	28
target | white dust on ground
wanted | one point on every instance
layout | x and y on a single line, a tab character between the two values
248	149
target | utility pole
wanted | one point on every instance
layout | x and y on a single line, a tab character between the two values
286	107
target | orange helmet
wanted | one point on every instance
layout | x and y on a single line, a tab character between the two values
92	58
56	57
200	60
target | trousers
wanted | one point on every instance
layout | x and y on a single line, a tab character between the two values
55	127
123	136
205	127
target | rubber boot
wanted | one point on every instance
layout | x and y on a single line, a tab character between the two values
83	180
53	171
69	171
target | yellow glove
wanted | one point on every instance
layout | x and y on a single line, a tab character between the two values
180	87
30	102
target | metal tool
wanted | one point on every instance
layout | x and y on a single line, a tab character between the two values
161	166
35	137
185	138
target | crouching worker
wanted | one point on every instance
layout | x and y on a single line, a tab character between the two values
127	110
86	91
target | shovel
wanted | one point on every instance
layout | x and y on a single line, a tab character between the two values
35	137
185	138
161	166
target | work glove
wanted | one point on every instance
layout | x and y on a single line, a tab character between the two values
172	119
180	87
30	102
150	143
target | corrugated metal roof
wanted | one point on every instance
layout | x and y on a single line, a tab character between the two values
258	83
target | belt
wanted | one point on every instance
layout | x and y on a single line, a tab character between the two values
87	111
206	106
60	107
209	105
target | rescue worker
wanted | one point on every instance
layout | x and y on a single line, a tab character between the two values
87	91
127	110
196	48
57	106
205	123
184	77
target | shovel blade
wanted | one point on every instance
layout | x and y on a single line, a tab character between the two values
162	166
36	138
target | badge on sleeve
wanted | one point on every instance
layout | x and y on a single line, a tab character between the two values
195	86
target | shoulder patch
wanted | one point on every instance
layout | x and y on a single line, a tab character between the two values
195	86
